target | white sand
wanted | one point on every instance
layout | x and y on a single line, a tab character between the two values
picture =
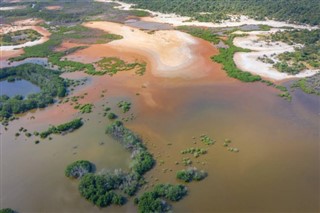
177	20
23	25
12	8
45	36
249	61
170	50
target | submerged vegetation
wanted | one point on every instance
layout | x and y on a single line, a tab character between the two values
206	140
113	65
196	152
125	106
84	108
309	85
63	128
78	169
50	83
191	174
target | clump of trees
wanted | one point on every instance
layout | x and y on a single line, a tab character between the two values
48	80
66	127
191	174
78	169
154	201
103	189
6	210
19	37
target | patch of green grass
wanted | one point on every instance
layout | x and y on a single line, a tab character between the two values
205	34
112	65
139	13
225	57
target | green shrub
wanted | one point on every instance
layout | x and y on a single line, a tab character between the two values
78	169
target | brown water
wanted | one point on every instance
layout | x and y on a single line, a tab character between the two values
276	170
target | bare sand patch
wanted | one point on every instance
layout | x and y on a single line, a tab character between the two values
56	7
250	62
12	8
172	52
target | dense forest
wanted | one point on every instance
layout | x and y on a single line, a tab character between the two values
302	11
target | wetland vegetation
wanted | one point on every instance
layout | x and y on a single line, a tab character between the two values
63	128
225	57
7	210
125	106
19	37
78	169
306	54
191	174
154	201
309	85
51	85
113	65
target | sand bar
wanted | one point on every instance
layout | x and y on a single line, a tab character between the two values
172	52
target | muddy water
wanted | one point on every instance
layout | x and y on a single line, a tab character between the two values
276	170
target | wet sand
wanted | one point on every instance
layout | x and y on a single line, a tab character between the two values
173	54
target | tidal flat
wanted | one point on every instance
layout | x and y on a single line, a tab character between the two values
256	152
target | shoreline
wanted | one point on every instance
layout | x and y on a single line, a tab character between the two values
171	52
248	61
177	20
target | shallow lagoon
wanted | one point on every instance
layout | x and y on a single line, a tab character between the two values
276	170
18	87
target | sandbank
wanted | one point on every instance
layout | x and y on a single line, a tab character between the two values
171	52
